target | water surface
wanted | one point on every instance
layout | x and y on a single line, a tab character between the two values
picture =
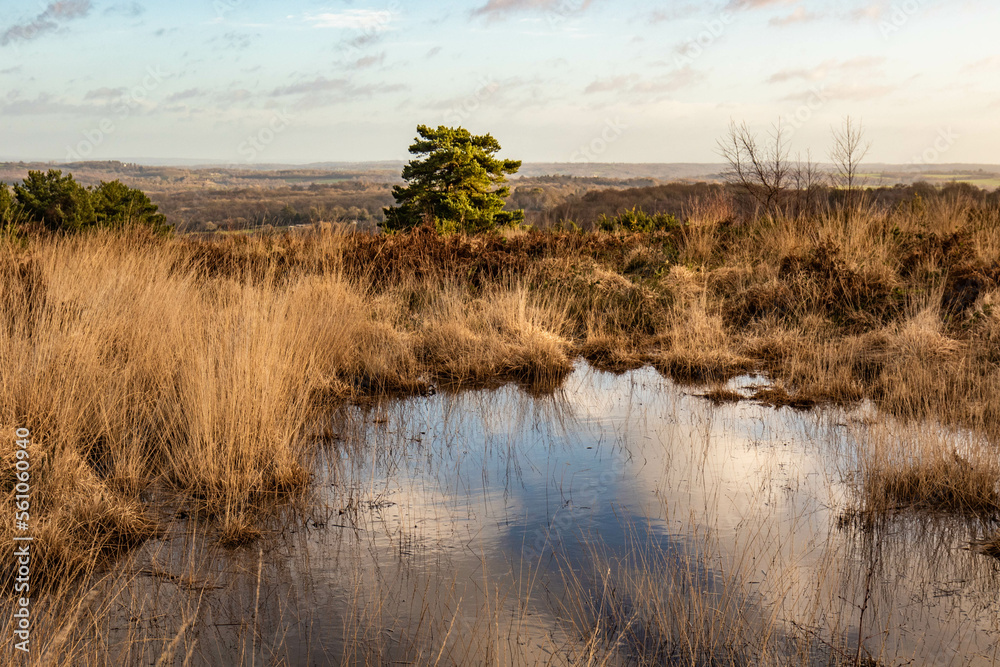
485	526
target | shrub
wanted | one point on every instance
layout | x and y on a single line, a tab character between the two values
117	205
7	206
56	201
59	203
637	220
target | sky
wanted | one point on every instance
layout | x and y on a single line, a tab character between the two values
296	82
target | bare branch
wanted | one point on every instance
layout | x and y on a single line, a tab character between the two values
762	172
849	148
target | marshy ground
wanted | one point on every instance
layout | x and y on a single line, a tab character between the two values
232	437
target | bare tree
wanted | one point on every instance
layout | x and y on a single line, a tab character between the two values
849	148
762	170
808	179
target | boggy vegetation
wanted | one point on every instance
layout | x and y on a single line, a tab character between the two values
187	373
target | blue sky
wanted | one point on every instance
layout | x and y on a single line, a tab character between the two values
239	81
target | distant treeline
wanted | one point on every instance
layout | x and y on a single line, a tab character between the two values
243	208
203	208
546	201
678	199
584	210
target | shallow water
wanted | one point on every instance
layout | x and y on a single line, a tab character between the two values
491	526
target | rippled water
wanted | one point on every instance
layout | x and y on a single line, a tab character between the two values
486	526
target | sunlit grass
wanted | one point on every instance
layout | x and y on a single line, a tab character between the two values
197	369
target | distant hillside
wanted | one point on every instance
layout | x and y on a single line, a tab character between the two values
167	177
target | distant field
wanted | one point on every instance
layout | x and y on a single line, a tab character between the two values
981	182
319	181
213	198
980	178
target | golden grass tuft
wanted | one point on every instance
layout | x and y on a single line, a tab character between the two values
928	468
615	354
949	483
507	334
686	366
239	530
777	396
720	395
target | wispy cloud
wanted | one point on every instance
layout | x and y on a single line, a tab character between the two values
237	41
345	87
827	69
49	20
859	79
187	94
633	84
988	64
235	96
353	19
872	11
800	15
369	61
612	84
758	4
130	9
500	8
851	91
672	14
41	105
104	93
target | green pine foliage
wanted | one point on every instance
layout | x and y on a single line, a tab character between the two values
59	204
7	206
637	220
456	184
117	205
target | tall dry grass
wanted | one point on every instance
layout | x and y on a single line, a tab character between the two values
142	371
177	373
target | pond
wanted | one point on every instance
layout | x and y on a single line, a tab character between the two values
621	520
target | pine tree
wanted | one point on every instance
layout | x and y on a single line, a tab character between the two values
56	201
7	209
60	204
117	205
457	184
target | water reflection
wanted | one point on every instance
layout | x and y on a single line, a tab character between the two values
492	526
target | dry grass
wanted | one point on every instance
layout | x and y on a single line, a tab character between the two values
905	467
506	333
141	369
193	370
194	367
720	395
